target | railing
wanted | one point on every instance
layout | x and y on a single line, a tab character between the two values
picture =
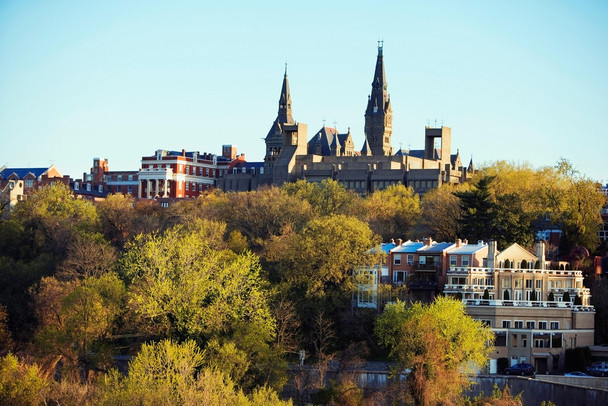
527	303
489	271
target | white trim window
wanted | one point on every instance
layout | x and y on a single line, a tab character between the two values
410	259
396	259
453	260
464	260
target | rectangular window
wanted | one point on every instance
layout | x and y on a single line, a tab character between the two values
555	325
119	177
514	340
539	284
542	325
506	324
517	283
524	341
397	259
529	283
453	260
130	190
399	277
519	324
464	260
118	189
501	339
29	183
410	259
487	323
422	260
530	324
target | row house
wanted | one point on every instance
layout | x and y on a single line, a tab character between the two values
536	313
173	174
32	178
422	266
100	182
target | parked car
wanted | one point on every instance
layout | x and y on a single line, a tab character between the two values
598	369
520	369
578	373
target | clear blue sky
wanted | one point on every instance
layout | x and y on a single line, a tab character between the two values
523	81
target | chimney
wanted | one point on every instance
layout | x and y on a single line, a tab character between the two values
183	152
399	242
540	253
492	254
458	242
392	240
427	241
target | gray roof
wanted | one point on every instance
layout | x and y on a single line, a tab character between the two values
437	248
468	248
408	247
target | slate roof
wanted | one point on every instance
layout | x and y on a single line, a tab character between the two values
437	248
409	247
468	249
22	172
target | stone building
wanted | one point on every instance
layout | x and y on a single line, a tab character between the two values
330	154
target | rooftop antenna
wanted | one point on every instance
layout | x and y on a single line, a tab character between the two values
324	120
285	68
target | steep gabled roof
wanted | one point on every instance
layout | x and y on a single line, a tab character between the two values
23	172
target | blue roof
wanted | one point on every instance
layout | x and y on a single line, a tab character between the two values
437	248
22	172
409	246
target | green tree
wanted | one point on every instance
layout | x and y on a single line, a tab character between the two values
168	373
476	222
566	297
21	384
52	217
392	212
326	198
192	290
438	343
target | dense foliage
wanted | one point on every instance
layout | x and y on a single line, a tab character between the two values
224	290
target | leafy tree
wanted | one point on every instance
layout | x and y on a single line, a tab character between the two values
321	258
118	218
326	198
52	217
21	384
181	283
392	212
165	373
438	343
264	213
441	212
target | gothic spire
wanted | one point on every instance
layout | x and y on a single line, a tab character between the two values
284	115
379	98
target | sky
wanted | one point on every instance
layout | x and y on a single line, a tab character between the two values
520	81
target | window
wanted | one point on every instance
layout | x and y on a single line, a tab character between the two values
100	188
524	341
514	340
530	324
397	259
464	260
500	340
453	260
529	283
130	190
506	324
29	183
410	259
487	323
555	325
539	284
75	185
542	325
119	177
130	177
422	260
517	283
519	324
399	277
118	189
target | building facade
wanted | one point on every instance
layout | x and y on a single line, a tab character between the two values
101	182
329	154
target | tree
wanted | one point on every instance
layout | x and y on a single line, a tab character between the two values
88	255
264	213
326	198
441	212
392	212
321	258
169	373
566	297
476	205
486	294
438	343
21	384
52	217
551	297
194	291
118	218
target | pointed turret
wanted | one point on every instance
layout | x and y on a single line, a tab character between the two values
274	138
379	114
471	167
284	115
365	151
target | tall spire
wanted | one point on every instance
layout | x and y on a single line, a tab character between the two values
284	115
379	115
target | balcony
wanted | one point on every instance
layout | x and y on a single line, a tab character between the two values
422	284
418	267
